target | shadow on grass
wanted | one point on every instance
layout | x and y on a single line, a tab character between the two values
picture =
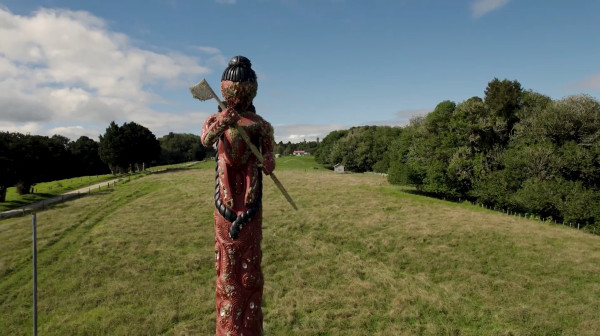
436	195
170	170
25	201
509	210
50	202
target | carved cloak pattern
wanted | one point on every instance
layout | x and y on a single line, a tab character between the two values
239	283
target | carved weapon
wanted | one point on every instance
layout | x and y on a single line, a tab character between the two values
203	91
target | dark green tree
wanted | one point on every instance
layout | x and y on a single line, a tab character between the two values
504	100
288	148
8	169
141	145
128	147
323	153
405	168
112	149
359	149
178	148
86	159
34	161
438	121
60	163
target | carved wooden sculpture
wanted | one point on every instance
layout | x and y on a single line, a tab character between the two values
238	194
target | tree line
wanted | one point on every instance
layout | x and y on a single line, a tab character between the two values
29	159
288	148
359	149
513	149
182	147
132	147
127	148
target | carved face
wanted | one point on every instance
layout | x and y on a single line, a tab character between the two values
240	94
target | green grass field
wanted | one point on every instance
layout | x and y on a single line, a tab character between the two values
361	257
46	190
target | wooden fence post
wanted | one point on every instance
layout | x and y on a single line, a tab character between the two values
34	247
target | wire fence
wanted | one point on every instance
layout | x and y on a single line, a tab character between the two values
593	229
42	205
22	211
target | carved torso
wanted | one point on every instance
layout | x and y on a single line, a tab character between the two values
238	169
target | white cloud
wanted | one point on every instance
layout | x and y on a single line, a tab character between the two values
590	83
207	50
74	132
66	67
214	57
481	7
25	128
310	132
189	122
21	107
299	132
405	115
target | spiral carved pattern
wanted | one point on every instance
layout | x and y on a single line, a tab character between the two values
239	285
237	222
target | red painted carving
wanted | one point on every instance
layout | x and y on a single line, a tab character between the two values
239	284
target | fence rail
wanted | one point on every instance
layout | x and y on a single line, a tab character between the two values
22	211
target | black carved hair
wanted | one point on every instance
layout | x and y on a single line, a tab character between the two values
239	70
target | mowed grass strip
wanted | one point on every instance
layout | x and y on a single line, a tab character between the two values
360	257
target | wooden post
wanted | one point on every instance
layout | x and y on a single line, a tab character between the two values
34	275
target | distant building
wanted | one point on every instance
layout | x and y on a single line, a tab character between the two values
300	153
338	168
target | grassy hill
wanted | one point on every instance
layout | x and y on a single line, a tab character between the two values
361	257
45	190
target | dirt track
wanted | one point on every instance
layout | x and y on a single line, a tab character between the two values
56	199
74	193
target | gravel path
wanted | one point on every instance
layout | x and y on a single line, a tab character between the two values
41	204
74	193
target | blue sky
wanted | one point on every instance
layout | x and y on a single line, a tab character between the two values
71	67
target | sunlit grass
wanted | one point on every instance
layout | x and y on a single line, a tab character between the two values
290	162
46	190
360	257
287	162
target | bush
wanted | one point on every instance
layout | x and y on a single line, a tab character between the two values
23	188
